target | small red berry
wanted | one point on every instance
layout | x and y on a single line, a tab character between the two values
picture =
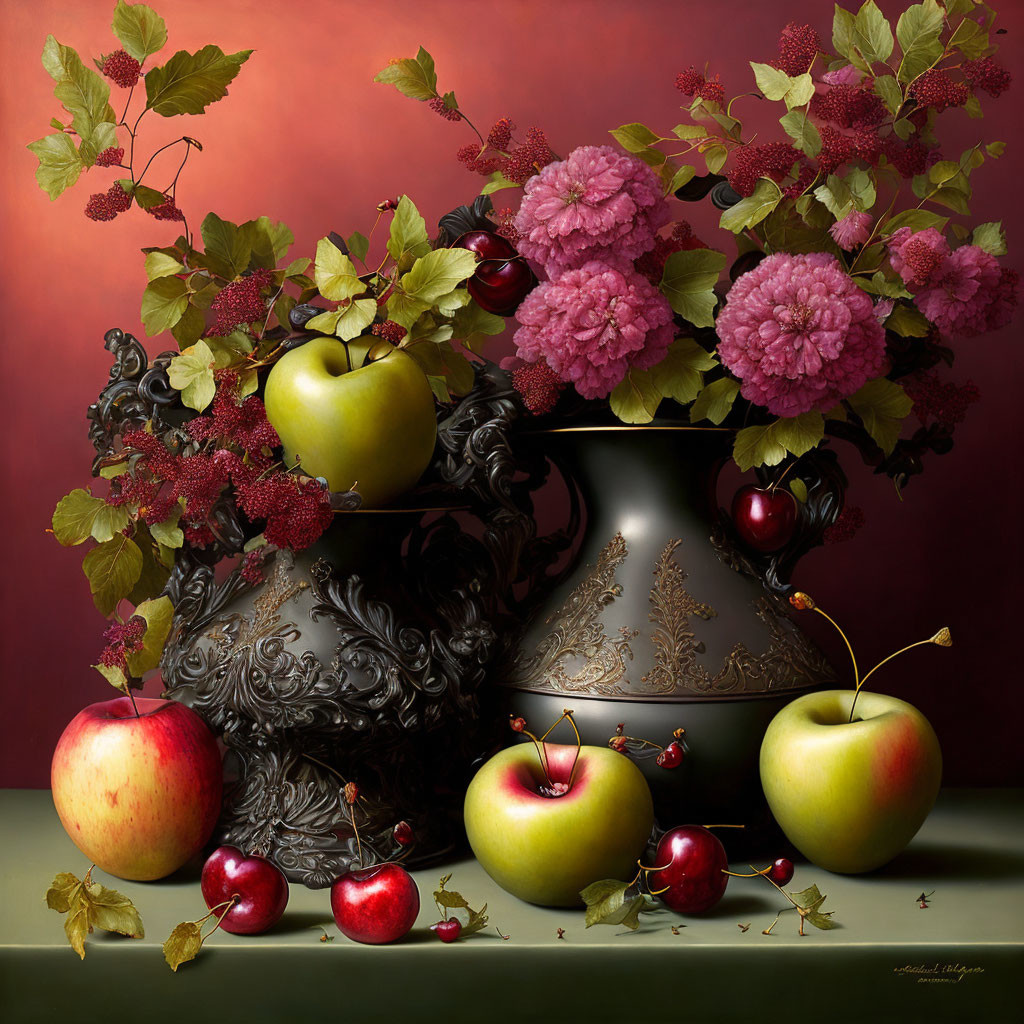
351	792
618	743
518	724
447	931
122	69
110	157
670	757
802	602
403	834
782	871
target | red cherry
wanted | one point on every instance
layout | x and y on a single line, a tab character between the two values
670	757
782	871
375	905
693	864
402	833
765	519
517	724
447	931
503	278
262	888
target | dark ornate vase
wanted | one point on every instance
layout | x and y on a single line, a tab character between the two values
663	623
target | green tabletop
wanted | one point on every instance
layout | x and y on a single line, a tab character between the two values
888	959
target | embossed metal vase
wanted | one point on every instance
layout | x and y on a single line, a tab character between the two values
659	627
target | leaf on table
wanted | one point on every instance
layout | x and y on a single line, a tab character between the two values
183	944
91	905
113	911
819	920
58	896
603	900
477	920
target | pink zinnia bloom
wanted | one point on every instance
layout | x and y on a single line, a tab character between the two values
853	230
592	324
918	257
595	204
970	295
799	333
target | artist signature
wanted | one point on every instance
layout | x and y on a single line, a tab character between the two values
941	974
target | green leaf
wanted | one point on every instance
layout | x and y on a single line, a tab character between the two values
907	321
715	157
680	374
952	198
636	399
183	944
191	373
335	274
358	244
163	304
882	406
146	197
879	284
59	163
82	92
496	183
843	31
808	898
355	318
141	30
413	78
903	128
473	324
772	82
890	92
758	446
802	131
918	32
439	387
916	220
458	370
189	328
752	210
109	521
603	899
76	926
437	273
800	91
168	532
104	136
264	242
798	489
450	304
690	131
836	195
862	188
408	232
680	176
970	39
159	265
158	614
799	434
61	891
450	900
820	920
112	569
990	237
477	921
157	561
638	138
871	33
113	911
715	401
995	149
225	242
74	516
189	82
688	281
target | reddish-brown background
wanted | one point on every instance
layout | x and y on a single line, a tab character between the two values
306	137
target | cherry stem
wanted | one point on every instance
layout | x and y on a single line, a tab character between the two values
920	643
723	826
542	751
856	672
786	473
351	809
227	905
643	742
757	874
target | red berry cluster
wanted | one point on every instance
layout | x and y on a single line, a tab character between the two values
848	106
448	113
122	69
692	83
110	157
517	163
506	225
244	422
987	75
538	385
239	303
479	159
526	159
909	158
122	639
798	45
847	523
937	89
252	566
389	331
297	510
945	402
107	205
166	210
773	160
652	264
500	135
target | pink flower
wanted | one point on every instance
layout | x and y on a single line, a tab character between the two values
799	334
592	324
846	75
853	230
595	204
970	294
917	256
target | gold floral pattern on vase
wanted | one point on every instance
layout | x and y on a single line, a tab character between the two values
579	633
789	662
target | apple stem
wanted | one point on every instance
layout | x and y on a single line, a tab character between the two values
131	697
88	875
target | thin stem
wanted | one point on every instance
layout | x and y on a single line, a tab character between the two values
227	905
856	671
270	308
127	104
188	146
135	707
355	832
483	141
188	149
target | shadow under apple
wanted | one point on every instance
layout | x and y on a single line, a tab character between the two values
955	861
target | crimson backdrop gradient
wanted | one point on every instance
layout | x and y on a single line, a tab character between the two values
306	137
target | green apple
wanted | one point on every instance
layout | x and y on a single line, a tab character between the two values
544	847
371	425
850	795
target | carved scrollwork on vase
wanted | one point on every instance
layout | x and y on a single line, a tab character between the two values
788	662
